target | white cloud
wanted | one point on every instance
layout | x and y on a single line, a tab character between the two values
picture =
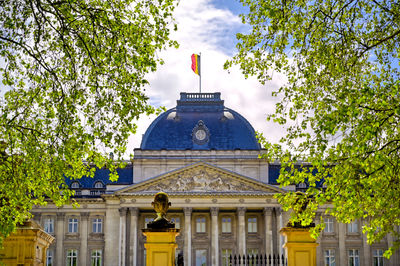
206	29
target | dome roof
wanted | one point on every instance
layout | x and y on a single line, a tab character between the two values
200	121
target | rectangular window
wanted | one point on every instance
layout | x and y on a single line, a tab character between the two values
49	225
177	222
201	257
49	257
378	257
72	225
147	220
226	225
201	225
329	257
226	253
352	227
96	258
354	257
97	225
72	257
252	225
328	225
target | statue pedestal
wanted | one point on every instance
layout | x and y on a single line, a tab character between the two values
27	246
301	247
160	246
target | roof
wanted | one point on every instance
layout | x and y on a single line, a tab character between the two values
200	121
103	175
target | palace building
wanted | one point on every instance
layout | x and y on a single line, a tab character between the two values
206	157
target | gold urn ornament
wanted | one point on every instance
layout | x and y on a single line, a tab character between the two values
161	204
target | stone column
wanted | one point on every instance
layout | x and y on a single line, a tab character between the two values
279	226
134	239
241	244
111	233
59	238
214	237
367	250
84	235
188	236
268	230
122	236
342	244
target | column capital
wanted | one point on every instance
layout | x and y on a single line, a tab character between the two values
84	215
60	215
134	211
187	211
278	211
268	211
241	211
122	211
214	211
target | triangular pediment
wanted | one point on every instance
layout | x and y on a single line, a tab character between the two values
201	177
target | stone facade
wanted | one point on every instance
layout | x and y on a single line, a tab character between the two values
222	201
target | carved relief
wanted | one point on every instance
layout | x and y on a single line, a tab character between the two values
201	180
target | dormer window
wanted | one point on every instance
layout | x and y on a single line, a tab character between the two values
75	185
98	184
302	185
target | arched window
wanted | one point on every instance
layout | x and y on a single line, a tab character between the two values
98	184
75	184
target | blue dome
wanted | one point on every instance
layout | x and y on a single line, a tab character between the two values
200	121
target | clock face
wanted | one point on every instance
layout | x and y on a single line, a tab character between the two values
200	134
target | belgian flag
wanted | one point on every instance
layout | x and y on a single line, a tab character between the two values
196	63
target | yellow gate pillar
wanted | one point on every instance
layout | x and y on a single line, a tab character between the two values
27	246
160	235
300	246
160	247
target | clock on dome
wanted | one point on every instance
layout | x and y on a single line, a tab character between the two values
200	133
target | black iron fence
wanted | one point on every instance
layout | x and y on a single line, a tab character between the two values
257	260
247	260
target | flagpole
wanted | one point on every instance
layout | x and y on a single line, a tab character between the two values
200	73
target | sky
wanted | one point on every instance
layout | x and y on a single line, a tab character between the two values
209	27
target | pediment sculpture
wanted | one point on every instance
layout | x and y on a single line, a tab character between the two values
200	180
